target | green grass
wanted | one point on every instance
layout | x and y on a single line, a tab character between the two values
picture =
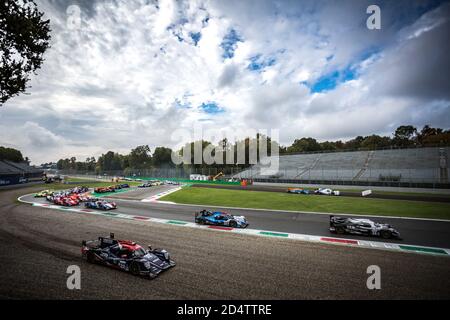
405	193
285	201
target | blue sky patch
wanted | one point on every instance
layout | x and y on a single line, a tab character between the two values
196	36
211	108
229	43
333	79
181	104
257	64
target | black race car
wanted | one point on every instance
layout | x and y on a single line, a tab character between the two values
364	227
127	256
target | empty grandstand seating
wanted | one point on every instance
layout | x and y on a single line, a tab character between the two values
420	165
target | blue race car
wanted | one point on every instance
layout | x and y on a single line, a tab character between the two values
297	191
100	204
220	219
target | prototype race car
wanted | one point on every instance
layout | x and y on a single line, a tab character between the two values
104	189
100	204
220	219
363	227
298	190
145	185
43	194
65	201
127	256
327	192
122	186
78	190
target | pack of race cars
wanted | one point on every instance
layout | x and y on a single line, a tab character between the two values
130	257
74	197
111	188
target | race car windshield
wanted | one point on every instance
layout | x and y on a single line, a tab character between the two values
139	252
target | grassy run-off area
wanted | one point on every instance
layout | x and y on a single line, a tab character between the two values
294	202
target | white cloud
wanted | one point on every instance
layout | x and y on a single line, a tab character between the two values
125	78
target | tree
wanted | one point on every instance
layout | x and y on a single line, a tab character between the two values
140	158
433	136
11	154
375	142
304	144
354	144
405	135
24	37
162	157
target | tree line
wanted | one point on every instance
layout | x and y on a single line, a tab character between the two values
11	154
141	157
403	137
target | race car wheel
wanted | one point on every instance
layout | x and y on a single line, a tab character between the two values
385	234
233	224
90	257
134	269
340	230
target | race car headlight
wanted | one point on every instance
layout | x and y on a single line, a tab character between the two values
147	265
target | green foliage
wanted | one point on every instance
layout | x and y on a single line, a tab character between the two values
162	157
11	154
141	157
24	37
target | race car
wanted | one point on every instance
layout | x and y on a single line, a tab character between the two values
127	256
43	194
65	201
297	191
364	227
104	189
122	186
100	204
174	183
86	198
79	190
327	192
145	185
220	219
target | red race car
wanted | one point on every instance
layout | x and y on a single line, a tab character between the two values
65	201
104	189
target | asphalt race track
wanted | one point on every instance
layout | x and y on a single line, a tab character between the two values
38	244
414	232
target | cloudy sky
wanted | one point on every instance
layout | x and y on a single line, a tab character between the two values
132	72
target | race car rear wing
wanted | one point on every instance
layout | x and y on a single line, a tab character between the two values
103	241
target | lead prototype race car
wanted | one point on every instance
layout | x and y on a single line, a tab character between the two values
127	256
364	227
220	219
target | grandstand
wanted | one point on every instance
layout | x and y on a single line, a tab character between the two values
15	173
402	167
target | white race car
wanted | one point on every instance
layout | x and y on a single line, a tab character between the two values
327	192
